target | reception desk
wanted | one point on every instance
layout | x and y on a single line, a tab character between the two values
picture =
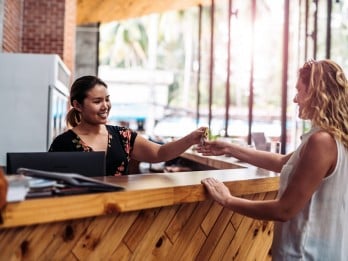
157	216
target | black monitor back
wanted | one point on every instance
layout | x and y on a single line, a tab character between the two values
90	164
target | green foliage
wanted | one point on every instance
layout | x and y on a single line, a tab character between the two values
124	44
173	90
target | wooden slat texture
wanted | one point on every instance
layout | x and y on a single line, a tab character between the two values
144	191
176	225
188	231
103	242
122	253
91	11
224	243
138	229
60	248
155	236
193	249
156	217
211	217
167	233
215	234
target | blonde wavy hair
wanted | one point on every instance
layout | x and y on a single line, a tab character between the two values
326	103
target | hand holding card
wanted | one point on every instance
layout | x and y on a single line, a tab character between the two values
205	136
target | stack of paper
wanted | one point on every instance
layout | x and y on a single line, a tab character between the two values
18	187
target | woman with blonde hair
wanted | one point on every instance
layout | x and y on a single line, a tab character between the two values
311	210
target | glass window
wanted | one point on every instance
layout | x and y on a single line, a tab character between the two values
339	33
256	59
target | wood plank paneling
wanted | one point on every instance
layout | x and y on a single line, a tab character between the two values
211	217
166	233
156	217
122	253
137	231
92	237
194	247
144	191
91	11
215	234
224	243
155	236
69	234
182	216
188	231
102	239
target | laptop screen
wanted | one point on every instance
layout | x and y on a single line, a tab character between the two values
89	164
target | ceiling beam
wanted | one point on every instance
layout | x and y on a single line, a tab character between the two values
102	11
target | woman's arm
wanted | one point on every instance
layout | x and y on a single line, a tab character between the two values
263	159
145	150
314	165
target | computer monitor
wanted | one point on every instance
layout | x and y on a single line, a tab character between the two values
89	164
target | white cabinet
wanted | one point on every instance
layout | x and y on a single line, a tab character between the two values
34	100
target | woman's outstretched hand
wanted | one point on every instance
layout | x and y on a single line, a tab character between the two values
213	148
199	136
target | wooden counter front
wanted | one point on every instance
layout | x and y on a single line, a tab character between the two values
158	216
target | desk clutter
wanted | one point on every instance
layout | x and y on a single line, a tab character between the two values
32	183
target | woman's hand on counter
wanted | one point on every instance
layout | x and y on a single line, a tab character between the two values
217	190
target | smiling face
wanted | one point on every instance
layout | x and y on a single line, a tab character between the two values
96	106
300	97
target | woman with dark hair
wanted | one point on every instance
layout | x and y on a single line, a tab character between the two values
311	210
88	118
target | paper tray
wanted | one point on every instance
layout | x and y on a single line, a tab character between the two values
71	179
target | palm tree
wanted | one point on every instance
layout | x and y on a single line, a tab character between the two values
124	44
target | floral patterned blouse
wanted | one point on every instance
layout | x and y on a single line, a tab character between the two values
120	145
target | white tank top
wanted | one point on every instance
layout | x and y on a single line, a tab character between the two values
320	230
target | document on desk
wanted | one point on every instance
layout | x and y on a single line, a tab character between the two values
18	188
31	183
71	182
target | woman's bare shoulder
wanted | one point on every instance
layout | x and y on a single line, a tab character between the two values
322	138
320	144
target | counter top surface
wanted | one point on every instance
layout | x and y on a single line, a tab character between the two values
186	179
142	191
218	162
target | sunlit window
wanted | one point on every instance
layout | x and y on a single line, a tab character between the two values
163	58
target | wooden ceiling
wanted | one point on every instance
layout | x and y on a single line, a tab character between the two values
93	11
